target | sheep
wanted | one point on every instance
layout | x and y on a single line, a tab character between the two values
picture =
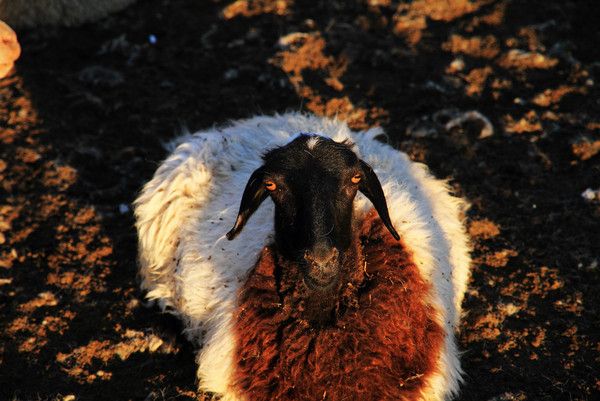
33	13
302	300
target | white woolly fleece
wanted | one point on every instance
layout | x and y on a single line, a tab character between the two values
193	271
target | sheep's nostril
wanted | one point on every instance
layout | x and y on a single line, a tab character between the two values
322	256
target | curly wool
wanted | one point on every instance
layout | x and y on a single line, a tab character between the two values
381	345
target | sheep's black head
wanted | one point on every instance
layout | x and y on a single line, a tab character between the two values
313	181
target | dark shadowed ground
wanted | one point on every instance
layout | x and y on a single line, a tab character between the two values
84	116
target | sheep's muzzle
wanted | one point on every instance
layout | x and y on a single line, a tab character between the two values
322	267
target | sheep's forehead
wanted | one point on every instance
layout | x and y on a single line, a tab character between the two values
312	142
312	153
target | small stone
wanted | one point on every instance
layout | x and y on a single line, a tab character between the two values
591	195
231	74
292	38
458	64
154	343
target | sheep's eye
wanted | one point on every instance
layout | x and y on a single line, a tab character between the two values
270	185
356	179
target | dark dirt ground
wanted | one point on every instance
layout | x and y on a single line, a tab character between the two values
84	114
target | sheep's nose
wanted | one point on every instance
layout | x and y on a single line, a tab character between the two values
321	267
322	255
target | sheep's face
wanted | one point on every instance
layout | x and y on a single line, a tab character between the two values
313	182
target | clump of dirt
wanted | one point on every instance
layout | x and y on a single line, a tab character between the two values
553	96
586	147
305	53
480	47
246	8
522	60
484	228
530	122
411	19
78	362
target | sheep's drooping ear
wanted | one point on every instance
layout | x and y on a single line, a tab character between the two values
254	195
371	188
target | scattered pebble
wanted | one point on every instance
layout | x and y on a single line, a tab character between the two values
231	74
6	281
154	343
458	64
292	38
591	195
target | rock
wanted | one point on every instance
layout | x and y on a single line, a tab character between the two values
291	38
458	64
231	74
154	343
591	195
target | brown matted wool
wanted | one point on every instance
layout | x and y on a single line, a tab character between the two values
373	336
